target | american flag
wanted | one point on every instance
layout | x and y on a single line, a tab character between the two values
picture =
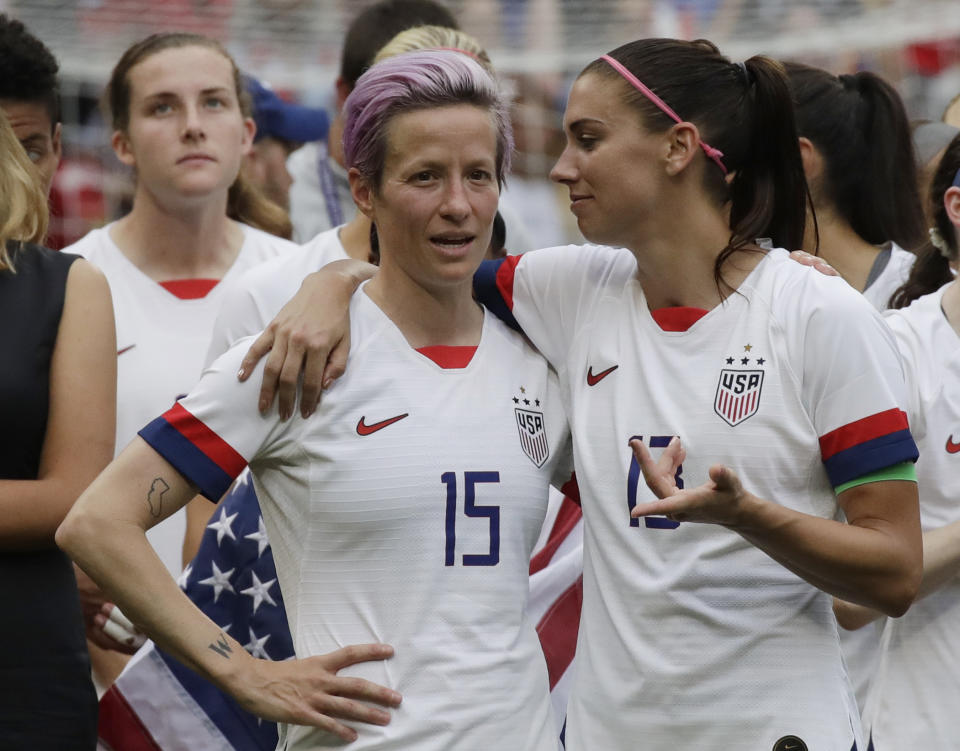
157	704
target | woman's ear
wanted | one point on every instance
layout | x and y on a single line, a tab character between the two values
683	142
951	202
362	191
121	147
811	158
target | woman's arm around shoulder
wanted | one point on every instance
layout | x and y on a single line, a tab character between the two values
81	423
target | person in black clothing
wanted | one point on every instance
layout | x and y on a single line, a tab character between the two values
57	397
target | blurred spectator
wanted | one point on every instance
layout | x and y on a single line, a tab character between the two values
30	96
320	195
282	128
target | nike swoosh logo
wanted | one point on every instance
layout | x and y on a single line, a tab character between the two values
364	429
593	380
952	448
125	349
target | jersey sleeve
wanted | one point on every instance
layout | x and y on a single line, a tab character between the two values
239	316
211	435
546	293
916	370
852	380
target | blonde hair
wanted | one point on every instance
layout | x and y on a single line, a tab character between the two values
435	38
23	203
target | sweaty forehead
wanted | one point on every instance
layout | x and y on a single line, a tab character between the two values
27	118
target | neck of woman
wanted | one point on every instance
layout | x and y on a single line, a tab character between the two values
190	240
841	247
676	260
355	237
950	302
444	314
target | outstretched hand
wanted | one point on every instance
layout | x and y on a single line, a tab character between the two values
309	692
721	500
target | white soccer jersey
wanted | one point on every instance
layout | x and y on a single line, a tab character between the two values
162	341
259	294
915	697
691	638
894	274
403	511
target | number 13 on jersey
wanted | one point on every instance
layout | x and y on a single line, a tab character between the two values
635	477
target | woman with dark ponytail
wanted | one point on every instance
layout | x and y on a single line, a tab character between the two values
768	390
182	122
858	156
915	693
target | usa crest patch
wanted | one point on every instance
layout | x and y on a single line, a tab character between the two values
533	433
738	395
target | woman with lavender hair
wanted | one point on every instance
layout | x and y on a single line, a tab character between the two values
399	513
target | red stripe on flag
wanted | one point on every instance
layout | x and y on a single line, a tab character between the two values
558	631
213	446
567	519
120	727
505	274
860	431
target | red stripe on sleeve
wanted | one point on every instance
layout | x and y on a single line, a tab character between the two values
558	631
505	274
213	446
120	727
860	431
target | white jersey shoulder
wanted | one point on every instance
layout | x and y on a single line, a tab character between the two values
894	274
262	291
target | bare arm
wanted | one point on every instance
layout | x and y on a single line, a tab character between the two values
105	534
941	564
310	334
875	559
82	417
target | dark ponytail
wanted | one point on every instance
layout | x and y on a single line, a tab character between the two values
932	268
860	127
743	110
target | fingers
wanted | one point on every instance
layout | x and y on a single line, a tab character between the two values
262	345
806	259
354	653
271	374
289	377
337	362
117	627
725	479
655	480
313	379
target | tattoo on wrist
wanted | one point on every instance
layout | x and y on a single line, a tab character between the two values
221	647
155	497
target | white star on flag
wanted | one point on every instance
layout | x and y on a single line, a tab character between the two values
185	576
260	536
259	591
219	580
223	526
255	646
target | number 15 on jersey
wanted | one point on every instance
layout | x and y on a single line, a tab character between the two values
635	477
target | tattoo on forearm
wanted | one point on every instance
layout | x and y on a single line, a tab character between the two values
222	647
155	497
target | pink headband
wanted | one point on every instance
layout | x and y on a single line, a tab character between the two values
715	154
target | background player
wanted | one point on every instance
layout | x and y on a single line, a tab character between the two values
433	548
914	695
674	612
57	398
181	122
858	157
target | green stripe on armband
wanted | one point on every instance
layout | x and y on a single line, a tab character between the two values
902	471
